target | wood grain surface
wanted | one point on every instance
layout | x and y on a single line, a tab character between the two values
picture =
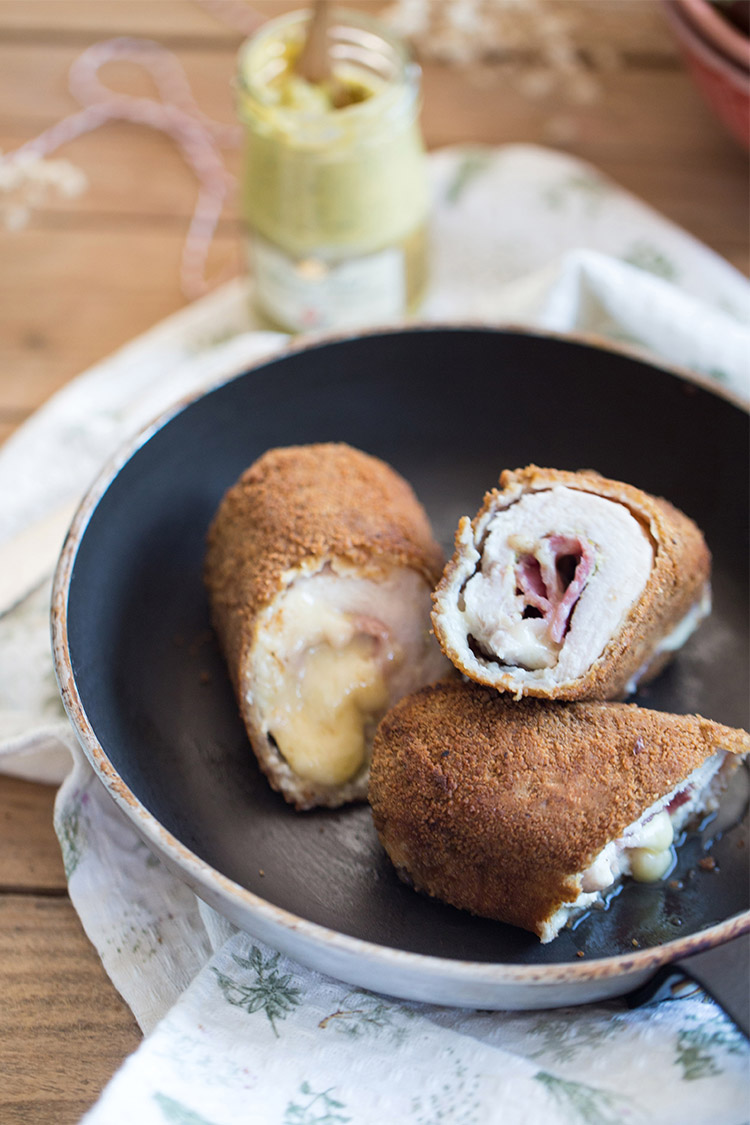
85	275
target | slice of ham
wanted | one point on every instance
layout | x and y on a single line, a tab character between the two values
679	799
545	580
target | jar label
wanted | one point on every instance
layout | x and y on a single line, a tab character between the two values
310	294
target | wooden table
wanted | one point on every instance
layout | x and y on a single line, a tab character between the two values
87	274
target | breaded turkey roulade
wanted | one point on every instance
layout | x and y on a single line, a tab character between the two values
319	568
529	811
570	586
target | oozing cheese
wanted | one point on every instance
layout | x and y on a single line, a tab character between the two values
651	857
333	653
645	849
644	852
319	726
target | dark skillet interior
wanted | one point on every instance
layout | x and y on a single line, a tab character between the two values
448	408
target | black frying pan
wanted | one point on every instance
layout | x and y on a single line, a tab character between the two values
449	408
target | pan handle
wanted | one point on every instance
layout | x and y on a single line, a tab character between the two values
724	973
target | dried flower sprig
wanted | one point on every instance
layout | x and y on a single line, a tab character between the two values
537	39
27	173
26	182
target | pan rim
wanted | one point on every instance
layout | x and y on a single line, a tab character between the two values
198	872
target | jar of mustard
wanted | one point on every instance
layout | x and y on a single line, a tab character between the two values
334	188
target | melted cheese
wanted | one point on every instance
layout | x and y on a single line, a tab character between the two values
319	726
645	850
333	653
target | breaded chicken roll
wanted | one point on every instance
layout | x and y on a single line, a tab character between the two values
529	812
570	586
319	568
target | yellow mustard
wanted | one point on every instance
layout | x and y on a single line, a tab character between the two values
334	187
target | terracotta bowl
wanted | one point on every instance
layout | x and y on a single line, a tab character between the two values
717	54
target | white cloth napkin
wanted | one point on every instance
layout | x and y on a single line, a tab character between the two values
235	1032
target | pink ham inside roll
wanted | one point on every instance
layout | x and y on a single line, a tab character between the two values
552	580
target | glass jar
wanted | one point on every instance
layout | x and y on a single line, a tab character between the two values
334	187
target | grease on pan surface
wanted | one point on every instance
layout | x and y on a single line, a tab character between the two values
319	568
529	811
570	586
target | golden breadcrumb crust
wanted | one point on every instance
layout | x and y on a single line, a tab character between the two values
496	806
296	509
679	579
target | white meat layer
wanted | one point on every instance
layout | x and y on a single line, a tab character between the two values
496	611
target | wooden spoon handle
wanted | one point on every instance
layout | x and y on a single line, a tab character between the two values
314	63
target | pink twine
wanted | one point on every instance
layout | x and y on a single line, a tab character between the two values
235	13
175	113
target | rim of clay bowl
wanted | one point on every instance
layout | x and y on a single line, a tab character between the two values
715	31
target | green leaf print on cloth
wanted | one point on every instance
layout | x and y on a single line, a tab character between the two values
177	1113
315	1108
70	827
562	1039
700	1049
587	189
589	1105
646	256
270	990
456	1101
363	1013
474	162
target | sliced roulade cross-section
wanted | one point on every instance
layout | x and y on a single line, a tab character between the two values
531	811
319	569
567	585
